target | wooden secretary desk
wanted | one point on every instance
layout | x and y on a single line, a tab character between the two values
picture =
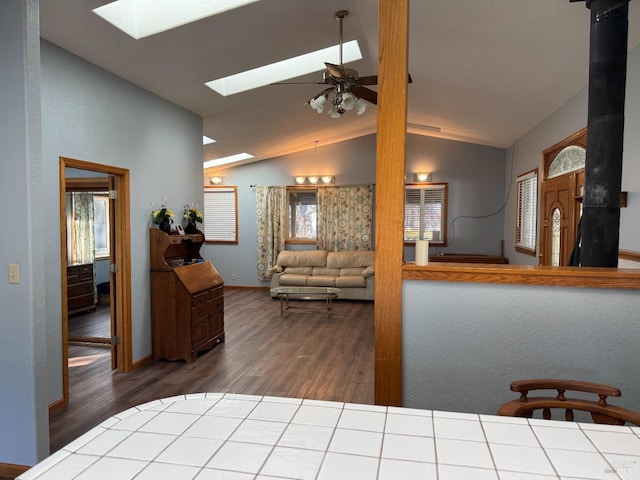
187	297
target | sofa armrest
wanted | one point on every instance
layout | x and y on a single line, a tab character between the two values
369	271
274	269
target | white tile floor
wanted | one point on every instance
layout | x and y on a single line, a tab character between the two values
237	437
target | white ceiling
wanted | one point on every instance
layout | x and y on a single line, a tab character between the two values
484	71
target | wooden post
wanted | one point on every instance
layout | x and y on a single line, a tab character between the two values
390	159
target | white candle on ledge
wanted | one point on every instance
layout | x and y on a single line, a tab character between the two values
422	252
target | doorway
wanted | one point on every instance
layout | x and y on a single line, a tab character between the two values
119	270
89	256
561	198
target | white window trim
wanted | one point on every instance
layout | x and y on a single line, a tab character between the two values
527	213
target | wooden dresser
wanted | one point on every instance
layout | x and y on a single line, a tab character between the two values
80	289
187	301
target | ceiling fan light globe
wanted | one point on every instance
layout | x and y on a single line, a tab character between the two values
361	106
333	113
348	101
318	107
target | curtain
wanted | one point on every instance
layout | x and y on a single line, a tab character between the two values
345	218
83	234
271	214
83	239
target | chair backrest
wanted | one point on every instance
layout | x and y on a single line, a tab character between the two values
600	410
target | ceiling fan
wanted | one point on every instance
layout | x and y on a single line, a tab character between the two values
346	90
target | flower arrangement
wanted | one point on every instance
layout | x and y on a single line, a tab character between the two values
162	215
192	214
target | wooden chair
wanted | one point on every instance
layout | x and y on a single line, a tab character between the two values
601	411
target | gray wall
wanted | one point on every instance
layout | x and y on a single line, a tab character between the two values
24	427
463	344
568	119
476	187
90	114
476	191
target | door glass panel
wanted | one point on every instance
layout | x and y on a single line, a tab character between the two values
569	159
555	237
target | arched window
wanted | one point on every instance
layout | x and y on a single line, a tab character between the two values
569	159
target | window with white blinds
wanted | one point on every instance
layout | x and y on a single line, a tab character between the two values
221	214
526	231
425	213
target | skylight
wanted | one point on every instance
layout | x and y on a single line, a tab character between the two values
206	140
141	18
285	69
225	160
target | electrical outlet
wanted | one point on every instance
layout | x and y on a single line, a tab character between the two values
14	273
233	277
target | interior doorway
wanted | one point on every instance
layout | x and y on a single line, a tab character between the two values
89	256
561	198
117	181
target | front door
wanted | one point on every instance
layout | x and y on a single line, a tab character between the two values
560	200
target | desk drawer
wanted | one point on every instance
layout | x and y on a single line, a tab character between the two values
200	298
208	307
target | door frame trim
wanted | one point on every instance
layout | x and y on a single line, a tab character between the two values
122	259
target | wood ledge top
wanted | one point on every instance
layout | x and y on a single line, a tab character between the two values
524	275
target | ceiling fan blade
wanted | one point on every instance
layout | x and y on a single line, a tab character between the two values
336	71
298	83
370	80
366	94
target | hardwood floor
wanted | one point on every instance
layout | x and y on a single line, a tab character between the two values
304	355
91	324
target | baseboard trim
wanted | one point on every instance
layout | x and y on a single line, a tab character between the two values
57	405
141	362
12	470
629	255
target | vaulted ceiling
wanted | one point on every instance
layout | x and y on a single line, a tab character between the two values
484	71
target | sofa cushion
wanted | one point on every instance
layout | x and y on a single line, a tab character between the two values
351	272
327	272
292	280
321	281
350	281
299	270
356	258
306	258
369	271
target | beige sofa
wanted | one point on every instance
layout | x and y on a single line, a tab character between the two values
351	272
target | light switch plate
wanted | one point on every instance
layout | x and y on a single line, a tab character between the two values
14	273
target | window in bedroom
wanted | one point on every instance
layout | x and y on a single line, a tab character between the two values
101	225
220	214
527	191
302	215
425	213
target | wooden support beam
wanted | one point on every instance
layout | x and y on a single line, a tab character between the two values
390	159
